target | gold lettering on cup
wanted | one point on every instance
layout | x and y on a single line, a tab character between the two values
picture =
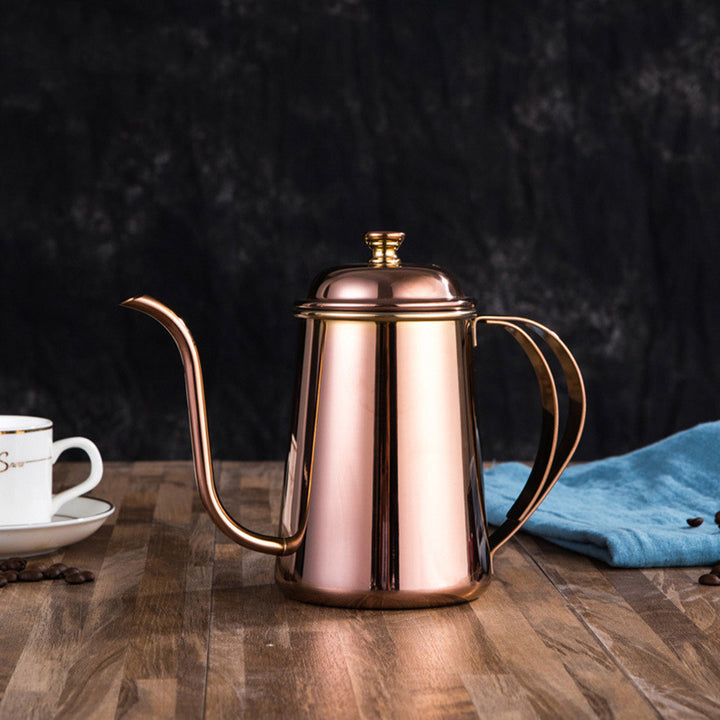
5	465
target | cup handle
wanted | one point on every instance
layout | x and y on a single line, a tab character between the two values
553	454
96	469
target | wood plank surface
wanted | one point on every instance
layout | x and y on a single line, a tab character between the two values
183	623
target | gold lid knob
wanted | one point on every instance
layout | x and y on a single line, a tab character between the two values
384	246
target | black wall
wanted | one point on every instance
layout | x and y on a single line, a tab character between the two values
560	158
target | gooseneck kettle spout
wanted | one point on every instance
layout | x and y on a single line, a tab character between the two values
202	459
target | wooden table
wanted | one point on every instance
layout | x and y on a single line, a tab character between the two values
183	623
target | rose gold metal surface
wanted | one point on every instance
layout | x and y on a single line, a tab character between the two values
384	286
395	518
378	286
305	591
382	503
386	313
200	437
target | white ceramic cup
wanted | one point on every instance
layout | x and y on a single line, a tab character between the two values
27	456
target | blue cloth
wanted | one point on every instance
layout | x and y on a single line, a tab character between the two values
629	510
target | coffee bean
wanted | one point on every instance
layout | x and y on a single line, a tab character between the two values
16	569
13	563
694	522
52	573
717	517
35	575
709	579
77	578
715	569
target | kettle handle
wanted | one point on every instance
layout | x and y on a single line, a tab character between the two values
553	454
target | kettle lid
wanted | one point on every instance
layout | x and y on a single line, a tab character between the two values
385	287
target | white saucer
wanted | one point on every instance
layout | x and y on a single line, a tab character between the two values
76	520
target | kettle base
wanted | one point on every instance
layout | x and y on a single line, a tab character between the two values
381	599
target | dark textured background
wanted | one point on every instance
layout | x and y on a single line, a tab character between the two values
560	158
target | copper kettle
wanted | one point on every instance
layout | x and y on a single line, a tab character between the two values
383	500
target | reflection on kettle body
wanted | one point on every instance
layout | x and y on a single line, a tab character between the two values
382	500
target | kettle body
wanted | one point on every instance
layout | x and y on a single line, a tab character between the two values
382	499
384	449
